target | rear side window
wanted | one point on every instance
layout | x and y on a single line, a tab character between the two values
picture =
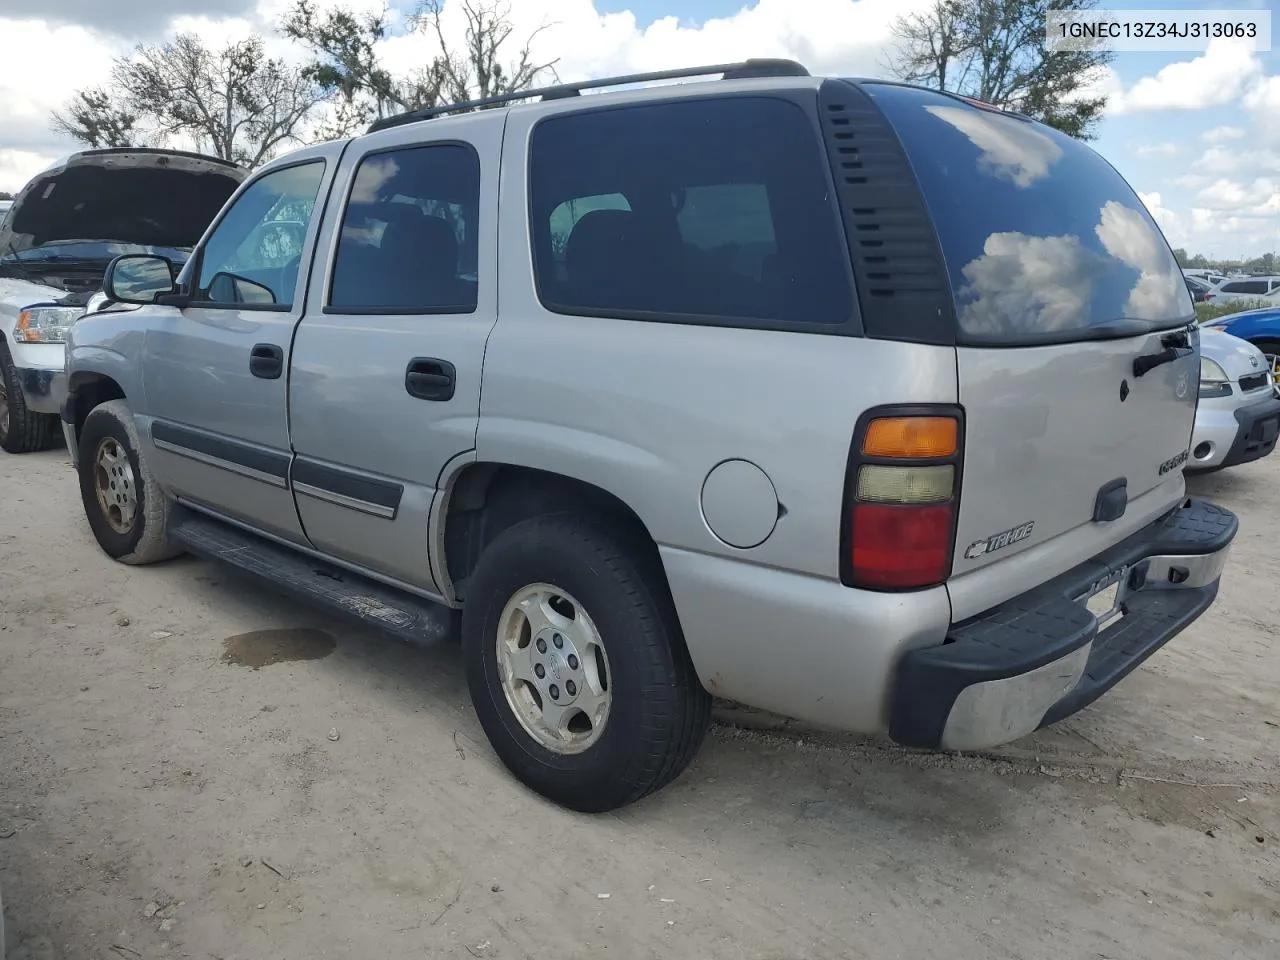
1246	286
1044	242
409	233
707	211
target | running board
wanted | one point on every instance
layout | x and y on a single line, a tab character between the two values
379	606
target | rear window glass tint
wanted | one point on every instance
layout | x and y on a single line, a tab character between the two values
1044	241
712	210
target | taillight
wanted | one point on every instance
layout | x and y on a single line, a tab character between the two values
902	498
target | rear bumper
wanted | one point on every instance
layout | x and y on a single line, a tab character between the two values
1040	657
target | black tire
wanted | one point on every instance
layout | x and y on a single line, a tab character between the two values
25	430
659	712
145	539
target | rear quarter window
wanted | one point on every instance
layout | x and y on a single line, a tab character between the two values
714	211
1043	240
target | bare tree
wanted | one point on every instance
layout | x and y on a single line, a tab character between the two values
93	118
236	103
995	50
347	65
347	68
489	64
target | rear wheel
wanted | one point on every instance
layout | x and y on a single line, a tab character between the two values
125	507
576	664
21	430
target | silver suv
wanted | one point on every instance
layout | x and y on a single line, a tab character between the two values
845	399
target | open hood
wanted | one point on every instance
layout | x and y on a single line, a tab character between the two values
161	198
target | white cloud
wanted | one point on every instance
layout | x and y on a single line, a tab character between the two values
1011	149
1022	282
846	37
1222	134
1222	74
43	65
1264	96
1235	196
1127	235
1217	161
1158	150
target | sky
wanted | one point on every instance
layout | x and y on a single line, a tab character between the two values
1196	134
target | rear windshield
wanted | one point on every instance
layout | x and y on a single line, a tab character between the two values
1044	242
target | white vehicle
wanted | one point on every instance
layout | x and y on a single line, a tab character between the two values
1211	277
1247	288
1238	418
64	227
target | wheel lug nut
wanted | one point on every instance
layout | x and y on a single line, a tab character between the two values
542	645
558	641
570	687
555	692
573	662
538	671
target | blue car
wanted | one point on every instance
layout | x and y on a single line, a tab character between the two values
1259	327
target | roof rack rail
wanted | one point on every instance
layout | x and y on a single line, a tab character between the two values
742	70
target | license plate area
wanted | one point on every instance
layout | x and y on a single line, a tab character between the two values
1105	599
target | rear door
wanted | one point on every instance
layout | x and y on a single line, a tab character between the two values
1062	282
384	385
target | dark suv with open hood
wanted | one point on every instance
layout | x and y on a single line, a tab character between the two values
65	226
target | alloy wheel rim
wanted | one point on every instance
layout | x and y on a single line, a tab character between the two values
554	669
115	485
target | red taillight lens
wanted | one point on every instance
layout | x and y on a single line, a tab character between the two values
899	547
903	496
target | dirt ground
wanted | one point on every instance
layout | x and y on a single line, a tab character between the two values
170	787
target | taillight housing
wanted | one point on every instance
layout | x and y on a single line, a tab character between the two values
902	497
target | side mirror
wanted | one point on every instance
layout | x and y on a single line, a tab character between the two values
138	278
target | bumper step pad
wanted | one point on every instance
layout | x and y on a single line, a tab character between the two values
1044	626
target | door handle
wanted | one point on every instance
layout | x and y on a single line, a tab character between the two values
266	360
1149	361
430	379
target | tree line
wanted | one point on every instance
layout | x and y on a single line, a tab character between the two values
240	104
1266	265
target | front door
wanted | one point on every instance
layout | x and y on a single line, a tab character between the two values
217	371
385	380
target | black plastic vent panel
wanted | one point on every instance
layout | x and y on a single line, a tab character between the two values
902	281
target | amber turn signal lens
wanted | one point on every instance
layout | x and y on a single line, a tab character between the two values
911	437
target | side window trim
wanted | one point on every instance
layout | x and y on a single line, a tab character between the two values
335	247
190	274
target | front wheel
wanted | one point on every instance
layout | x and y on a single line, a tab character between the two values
577	666
125	507
21	430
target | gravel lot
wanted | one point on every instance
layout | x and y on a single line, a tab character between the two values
173	788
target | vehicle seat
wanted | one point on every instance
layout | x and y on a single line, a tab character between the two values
418	267
602	263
